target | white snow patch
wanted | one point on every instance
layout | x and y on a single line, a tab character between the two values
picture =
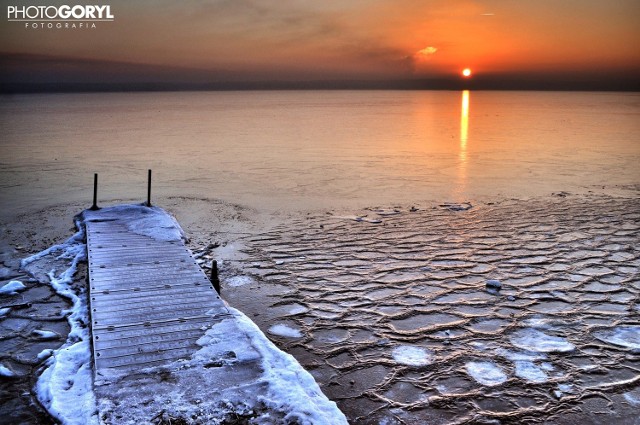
530	372
486	373
297	309
281	329
12	288
624	336
4	311
44	335
538	322
240	280
290	387
149	221
519	355
65	385
538	341
6	372
632	399
47	352
565	388
412	356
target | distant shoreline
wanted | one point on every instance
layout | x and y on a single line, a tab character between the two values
7	87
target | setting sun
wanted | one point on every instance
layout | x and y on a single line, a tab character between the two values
466	72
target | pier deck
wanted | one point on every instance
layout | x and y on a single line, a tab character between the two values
149	299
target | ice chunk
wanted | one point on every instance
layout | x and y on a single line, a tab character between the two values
44	335
368	220
4	311
236	281
632	398
412	356
486	373
530	372
565	388
538	341
46	353
623	336
464	206
6	372
519	355
283	330
297	309
12	288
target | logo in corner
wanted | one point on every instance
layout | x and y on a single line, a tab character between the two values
60	17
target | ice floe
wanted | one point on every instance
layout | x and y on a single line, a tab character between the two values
281	329
12	288
520	355
632	399
44	335
297	309
464	206
412	356
239	280
530	372
538	341
623	336
6	372
486	373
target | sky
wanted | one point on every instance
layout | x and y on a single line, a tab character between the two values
507	42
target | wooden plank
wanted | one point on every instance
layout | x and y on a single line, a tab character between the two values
150	302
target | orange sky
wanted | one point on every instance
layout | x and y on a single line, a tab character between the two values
350	39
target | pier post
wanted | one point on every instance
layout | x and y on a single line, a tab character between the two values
95	192
214	276
149	189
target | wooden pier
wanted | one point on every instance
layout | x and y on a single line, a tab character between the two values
149	299
165	346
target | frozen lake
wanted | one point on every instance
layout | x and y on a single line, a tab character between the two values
315	149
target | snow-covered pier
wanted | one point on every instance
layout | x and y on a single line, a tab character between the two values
166	347
149	298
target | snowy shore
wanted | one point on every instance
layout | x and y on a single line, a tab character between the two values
514	310
273	389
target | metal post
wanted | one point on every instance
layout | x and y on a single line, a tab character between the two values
95	192
214	276
149	189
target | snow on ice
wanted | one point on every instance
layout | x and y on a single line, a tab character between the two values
538	341
486	373
12	288
6	372
65	385
411	356
623	336
281	329
530	372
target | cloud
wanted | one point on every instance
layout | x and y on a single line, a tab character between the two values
427	51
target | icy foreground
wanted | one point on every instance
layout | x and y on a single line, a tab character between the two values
403	324
237	372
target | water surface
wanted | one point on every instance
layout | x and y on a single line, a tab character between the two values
315	149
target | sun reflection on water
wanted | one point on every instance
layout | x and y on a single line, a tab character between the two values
462	154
